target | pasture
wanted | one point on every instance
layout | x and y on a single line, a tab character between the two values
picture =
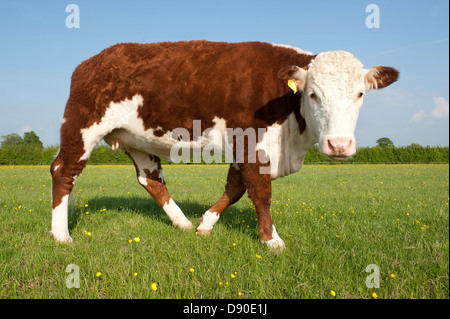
335	220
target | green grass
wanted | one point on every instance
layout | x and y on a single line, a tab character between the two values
334	219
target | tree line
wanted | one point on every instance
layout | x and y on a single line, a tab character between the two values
29	150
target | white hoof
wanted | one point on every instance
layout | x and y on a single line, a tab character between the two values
204	232
61	237
207	222
275	245
185	225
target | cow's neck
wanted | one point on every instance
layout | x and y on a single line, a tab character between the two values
285	146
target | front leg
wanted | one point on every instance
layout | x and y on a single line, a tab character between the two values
234	189
259	188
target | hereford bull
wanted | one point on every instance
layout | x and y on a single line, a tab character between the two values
136	96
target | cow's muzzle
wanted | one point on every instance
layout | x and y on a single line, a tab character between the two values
339	148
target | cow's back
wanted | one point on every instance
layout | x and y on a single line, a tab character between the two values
183	81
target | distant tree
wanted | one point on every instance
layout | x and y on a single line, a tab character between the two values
384	142
13	139
415	145
31	139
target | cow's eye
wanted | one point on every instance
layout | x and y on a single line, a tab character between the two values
360	94
313	95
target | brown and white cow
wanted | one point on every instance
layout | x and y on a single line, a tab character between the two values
135	96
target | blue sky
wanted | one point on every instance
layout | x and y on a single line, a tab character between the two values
39	53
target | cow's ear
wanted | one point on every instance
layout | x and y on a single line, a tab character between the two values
294	77
380	76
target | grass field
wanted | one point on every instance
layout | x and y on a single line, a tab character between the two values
335	220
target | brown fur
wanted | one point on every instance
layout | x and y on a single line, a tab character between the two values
155	185
194	80
234	189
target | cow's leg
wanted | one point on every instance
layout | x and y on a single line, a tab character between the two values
65	169
260	191
149	174
234	189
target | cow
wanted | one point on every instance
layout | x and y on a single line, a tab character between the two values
136	97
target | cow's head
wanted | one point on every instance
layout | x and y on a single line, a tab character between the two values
333	86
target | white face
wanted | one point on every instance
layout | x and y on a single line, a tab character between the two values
331	100
333	86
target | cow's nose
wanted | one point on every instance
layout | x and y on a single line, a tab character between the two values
340	146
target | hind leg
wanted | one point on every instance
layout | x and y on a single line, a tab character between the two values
64	173
149	175
65	169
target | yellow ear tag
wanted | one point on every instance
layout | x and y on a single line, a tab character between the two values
376	66
292	85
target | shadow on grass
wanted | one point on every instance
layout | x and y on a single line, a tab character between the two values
233	218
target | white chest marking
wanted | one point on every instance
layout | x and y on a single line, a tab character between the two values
285	147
